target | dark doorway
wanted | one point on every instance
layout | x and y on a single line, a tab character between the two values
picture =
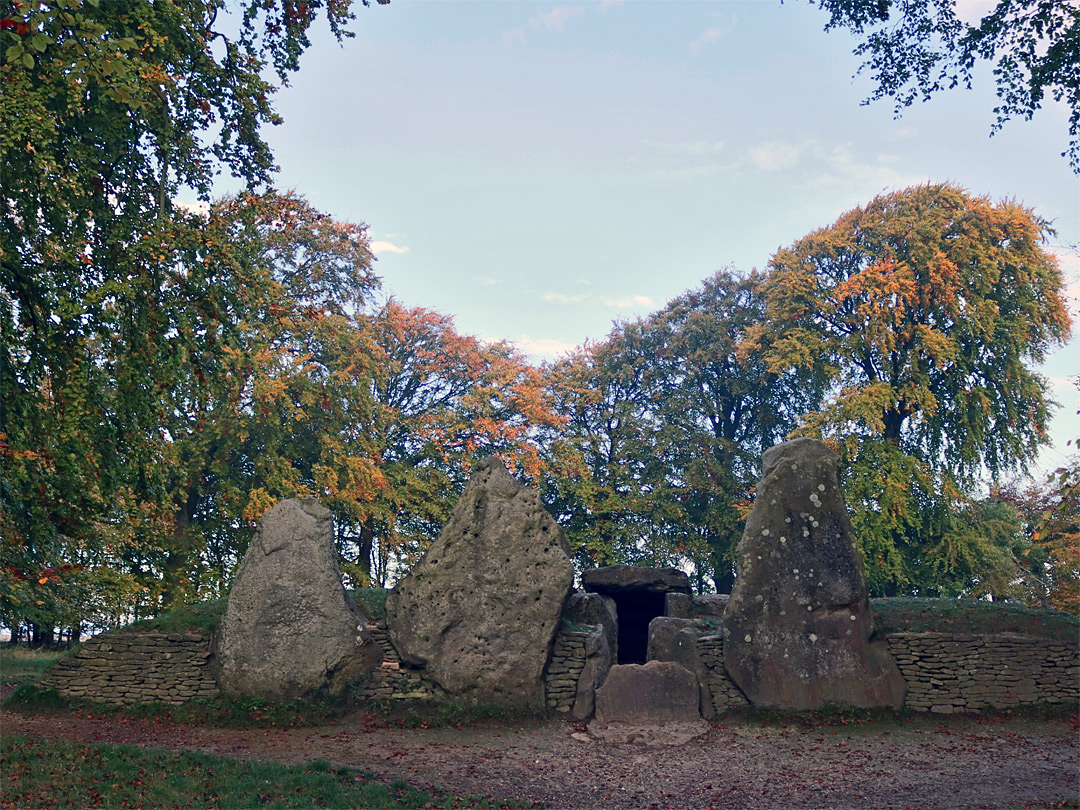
635	610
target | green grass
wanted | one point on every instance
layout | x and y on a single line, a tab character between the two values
372	601
914	615
201	617
20	665
52	774
447	714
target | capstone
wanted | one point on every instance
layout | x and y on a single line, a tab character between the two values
479	612
290	630
798	629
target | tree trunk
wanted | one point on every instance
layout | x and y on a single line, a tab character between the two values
178	561
365	544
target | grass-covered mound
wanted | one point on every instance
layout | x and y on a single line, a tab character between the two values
924	615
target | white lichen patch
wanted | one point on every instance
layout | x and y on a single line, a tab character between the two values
764	532
821	487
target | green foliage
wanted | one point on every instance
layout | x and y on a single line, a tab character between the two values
41	773
922	313
115	305
372	601
917	48
664	424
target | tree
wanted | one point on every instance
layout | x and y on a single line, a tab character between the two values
107	289
925	310
665	423
439	401
916	48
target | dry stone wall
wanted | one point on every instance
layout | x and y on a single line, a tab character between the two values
950	673
726	696
567	662
124	667
389	681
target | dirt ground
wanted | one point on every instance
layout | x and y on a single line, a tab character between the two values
926	763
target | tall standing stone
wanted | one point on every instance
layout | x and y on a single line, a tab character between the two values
797	630
479	611
290	630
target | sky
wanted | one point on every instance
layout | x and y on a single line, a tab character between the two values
541	171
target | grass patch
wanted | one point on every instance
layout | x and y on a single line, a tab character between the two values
53	774
20	665
372	601
219	712
200	617
920	615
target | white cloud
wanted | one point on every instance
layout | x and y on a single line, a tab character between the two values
971	11
776	155
545	348
628	301
563	298
200	208
513	37
711	37
487	281
387	247
556	19
606	5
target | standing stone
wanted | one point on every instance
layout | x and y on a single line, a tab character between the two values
479	611
675	639
597	664
797	630
290	630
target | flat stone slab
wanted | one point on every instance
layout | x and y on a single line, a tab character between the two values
655	693
613	579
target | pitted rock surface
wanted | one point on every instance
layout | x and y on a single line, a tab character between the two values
797	629
290	630
479	612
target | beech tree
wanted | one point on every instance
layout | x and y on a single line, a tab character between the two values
107	289
925	312
916	48
666	421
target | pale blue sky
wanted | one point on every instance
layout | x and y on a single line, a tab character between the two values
539	170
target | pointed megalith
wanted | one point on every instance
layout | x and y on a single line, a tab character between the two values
290	629
797	630
479	612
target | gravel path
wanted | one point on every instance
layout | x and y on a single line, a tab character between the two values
956	763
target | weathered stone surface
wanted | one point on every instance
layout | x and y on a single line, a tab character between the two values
615	579
592	608
797	630
597	665
710	604
675	639
648	694
478	613
677	605
290	630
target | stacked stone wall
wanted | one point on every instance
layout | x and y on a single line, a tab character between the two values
124	667
389	681
950	673
564	670
725	694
